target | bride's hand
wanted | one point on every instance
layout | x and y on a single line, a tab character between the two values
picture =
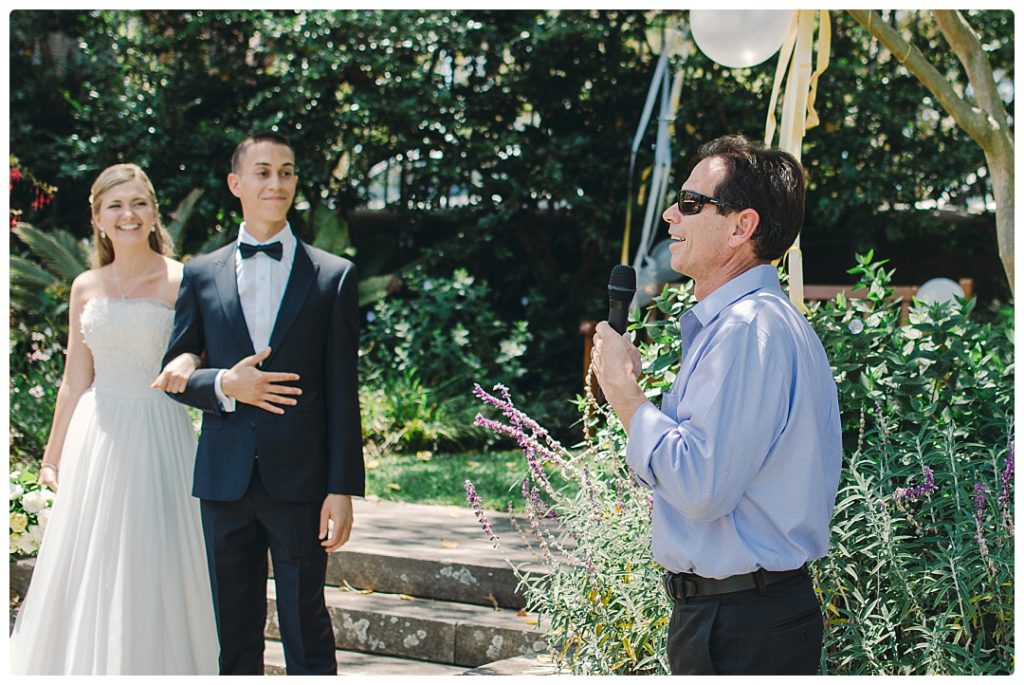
48	477
175	375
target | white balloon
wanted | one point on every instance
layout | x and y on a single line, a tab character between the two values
739	38
939	290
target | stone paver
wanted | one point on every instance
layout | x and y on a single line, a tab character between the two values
359	663
410	627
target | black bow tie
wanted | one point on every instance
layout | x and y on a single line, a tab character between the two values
273	250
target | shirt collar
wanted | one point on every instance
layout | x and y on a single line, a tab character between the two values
762	276
285	235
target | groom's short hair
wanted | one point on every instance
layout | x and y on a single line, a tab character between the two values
252	139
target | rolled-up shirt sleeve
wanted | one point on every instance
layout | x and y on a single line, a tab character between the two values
732	409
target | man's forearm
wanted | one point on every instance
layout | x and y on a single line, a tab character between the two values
625	398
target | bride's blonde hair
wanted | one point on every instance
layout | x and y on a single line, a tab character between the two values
109	178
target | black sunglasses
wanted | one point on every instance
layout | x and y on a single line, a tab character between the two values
691	202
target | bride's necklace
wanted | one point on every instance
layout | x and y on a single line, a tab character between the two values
117	284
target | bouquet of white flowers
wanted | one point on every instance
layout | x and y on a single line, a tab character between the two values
30	510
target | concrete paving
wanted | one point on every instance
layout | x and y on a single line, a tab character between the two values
359	663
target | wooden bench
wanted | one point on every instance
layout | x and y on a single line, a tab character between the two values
904	294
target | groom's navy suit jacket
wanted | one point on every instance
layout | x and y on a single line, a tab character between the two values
315	447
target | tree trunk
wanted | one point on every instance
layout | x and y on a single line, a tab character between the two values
985	122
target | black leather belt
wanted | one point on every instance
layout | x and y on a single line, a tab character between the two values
682	586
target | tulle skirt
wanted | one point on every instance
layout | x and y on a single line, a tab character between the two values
121	584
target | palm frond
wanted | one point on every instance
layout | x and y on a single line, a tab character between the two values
180	216
63	253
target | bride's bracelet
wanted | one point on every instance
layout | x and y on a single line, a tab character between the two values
49	466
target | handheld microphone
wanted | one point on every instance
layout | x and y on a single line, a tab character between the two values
621	289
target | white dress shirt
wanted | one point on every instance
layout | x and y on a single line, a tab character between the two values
261	284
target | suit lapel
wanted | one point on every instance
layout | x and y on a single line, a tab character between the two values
227	289
299	282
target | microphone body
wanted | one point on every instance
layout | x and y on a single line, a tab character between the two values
621	289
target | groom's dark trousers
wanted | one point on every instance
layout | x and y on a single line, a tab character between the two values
262	478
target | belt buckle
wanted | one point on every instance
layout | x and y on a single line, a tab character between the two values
672	583
666	584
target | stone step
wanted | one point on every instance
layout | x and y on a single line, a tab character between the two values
540	664
445	632
361	663
434	552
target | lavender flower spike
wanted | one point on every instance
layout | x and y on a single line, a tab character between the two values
915	491
979	502
478	509
1004	493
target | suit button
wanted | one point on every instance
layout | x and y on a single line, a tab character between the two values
252	424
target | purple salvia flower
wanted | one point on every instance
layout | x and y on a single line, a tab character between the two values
1004	493
915	491
979	502
592	575
478	509
533	498
979	515
591	492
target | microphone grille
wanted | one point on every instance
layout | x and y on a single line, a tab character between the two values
622	283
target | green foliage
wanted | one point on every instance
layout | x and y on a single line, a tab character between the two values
436	478
919	577
525	116
920	584
37	364
420	355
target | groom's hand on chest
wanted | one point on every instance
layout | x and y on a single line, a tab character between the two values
247	383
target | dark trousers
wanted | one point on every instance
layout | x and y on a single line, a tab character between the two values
747	633
238	535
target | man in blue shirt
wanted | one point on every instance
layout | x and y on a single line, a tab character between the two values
744	454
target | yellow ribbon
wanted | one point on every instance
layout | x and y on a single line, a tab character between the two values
824	50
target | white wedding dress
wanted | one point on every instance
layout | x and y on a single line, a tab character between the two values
121	584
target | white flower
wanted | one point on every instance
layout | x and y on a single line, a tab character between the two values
19	522
25	544
511	350
36	391
460	336
35	501
16	491
856	326
43	518
370	316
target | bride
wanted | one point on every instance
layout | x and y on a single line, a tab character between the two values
120	584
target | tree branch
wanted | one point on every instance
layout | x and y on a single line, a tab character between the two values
971	119
965	43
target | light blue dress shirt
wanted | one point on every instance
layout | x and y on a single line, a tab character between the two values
744	455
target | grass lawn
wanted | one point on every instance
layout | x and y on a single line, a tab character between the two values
428	478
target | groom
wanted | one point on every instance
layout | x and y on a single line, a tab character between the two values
280	455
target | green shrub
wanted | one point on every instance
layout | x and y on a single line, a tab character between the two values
919	577
37	365
420	356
